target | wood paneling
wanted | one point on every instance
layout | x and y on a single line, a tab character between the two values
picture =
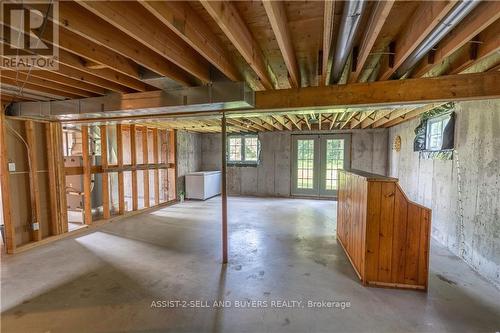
385	236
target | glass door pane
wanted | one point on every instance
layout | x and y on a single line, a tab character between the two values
334	157
305	165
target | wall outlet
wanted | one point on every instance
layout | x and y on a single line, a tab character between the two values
36	226
12	167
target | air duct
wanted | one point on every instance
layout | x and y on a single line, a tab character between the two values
457	14
351	19
206	99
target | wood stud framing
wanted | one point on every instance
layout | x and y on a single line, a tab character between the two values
133	159
87	181
121	185
54	206
105	178
145	160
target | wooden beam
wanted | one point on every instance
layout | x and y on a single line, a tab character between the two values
87	176
105	179
461	87
156	174
15	98
372	31
117	68
133	163
479	49
305	117
269	120
427	16
145	160
328	27
126	72
409	115
224	190
261	125
230	21
245	127
135	20
34	79
77	86
276	13
379	114
350	115
283	121
410	91
73	17
119	157
88	49
483	16
293	118
334	119
38	86
188	25
363	115
108	78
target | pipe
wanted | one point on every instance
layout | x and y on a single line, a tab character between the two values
457	14
351	18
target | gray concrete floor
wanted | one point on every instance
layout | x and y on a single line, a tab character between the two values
280	249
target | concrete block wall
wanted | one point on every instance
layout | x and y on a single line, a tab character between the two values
272	176
188	156
470	230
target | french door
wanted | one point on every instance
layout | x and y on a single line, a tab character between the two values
316	161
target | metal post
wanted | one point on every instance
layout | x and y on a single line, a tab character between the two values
224	191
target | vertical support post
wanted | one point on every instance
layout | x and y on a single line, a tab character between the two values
224	191
36	217
145	160
119	157
156	162
10	241
62	208
133	159
105	180
53	193
172	160
87	176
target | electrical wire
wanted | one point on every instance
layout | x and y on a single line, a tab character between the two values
42	30
28	150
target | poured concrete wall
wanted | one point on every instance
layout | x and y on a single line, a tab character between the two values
272	176
188	156
471	229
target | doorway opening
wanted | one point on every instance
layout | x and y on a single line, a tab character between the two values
316	160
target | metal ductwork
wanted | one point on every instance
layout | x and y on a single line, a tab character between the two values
457	14
351	19
218	96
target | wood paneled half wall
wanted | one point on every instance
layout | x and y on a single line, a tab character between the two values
385	235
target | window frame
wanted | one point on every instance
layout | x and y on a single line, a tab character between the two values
242	162
437	119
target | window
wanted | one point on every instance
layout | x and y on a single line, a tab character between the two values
243	149
435	132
